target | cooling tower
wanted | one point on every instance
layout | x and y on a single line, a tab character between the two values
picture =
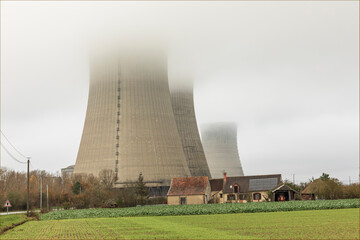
183	106
220	145
130	125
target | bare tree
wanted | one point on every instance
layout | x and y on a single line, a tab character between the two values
107	178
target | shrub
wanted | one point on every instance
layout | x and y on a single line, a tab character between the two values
44	210
110	203
33	215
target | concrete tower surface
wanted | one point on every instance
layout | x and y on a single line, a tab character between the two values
130	125
220	145
183	106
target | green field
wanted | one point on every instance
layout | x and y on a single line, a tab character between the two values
315	224
7	221
203	209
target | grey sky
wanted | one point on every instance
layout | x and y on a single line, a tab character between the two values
286	72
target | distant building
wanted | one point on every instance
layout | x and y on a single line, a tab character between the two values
244	188
69	170
190	190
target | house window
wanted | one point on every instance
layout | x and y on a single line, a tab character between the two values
236	188
182	200
220	195
257	196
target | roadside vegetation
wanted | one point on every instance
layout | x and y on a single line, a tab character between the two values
72	192
10	221
203	209
319	224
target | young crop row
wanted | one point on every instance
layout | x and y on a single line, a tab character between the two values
203	209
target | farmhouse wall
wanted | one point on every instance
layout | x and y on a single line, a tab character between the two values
190	199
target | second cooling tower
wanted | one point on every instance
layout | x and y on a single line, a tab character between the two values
220	145
130	125
183	106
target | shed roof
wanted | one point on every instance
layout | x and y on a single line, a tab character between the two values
283	187
252	183
188	186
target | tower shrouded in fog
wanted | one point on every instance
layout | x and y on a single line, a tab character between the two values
221	151
183	106
130	125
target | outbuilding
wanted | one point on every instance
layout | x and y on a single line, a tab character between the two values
283	193
190	190
308	192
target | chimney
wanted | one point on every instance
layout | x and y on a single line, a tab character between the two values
224	177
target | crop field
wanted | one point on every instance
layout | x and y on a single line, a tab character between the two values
203	209
7	221
315	224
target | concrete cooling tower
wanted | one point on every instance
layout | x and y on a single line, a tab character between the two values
220	145
130	125
183	106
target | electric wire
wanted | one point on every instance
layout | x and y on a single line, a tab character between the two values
8	152
12	145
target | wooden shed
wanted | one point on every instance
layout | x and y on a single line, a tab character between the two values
283	193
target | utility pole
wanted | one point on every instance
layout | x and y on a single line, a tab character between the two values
28	186
47	197
40	192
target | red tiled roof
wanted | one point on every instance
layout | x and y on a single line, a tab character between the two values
188	186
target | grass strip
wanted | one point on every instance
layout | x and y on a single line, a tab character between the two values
8	222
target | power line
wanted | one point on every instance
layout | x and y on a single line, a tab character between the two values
12	145
12	155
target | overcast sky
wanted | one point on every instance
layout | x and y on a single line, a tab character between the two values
286	72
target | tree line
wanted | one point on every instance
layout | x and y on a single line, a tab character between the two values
326	187
72	191
87	191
